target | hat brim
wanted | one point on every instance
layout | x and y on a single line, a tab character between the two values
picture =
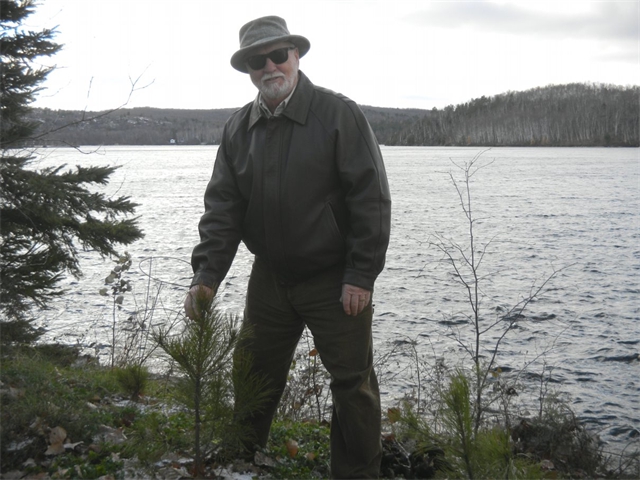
238	60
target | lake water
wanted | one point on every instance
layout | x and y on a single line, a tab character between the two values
568	213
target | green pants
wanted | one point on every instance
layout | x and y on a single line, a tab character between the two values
275	314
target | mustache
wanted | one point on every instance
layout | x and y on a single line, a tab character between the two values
269	76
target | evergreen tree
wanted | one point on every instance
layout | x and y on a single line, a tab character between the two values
46	215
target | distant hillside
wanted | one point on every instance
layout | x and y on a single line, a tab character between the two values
131	126
560	115
155	126
563	115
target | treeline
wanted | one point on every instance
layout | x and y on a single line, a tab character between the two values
576	114
562	115
155	126
131	126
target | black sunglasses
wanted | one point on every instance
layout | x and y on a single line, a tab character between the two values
281	55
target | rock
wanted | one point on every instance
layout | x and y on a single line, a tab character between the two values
547	465
263	460
15	446
170	473
110	435
13	475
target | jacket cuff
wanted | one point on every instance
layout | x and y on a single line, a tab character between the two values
205	279
359	279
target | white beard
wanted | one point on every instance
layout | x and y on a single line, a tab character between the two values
274	91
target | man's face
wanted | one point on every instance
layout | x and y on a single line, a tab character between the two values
275	82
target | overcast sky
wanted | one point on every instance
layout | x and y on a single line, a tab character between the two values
387	53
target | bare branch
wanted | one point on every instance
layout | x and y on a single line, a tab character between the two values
84	118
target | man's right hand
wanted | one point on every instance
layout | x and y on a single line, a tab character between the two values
195	294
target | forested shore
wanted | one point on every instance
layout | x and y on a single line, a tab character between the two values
578	114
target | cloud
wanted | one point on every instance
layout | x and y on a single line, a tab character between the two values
610	21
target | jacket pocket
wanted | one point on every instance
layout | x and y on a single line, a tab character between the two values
332	224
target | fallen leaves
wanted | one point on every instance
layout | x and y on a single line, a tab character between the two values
292	447
57	445
57	436
394	415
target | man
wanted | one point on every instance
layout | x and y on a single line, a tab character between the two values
299	178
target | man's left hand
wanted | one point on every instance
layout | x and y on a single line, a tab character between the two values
354	299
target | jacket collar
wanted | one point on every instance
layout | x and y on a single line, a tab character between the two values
298	106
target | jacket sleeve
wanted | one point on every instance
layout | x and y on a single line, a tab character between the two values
364	183
220	227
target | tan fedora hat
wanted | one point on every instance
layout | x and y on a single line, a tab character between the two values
263	31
